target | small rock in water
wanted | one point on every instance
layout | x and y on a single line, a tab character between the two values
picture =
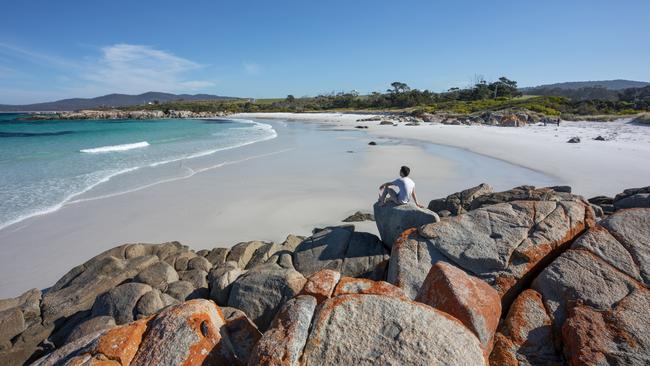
361	127
372	143
360	216
599	138
574	140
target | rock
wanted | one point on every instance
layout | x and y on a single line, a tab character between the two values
598	211
180	290
372	143
599	138
29	304
119	344
525	336
292	242
180	260
152	302
93	278
340	248
354	330
574	140
90	326
221	279
631	228
263	254
502	244
321	284
466	298
386	123
243	252
523	193
188	334
630	192
360	126
158	275
349	285
120	302
283	343
359	217
601	200
261	292
392	220
444	213
199	263
596	293
460	202
242	333
617	336
635	200
217	256
12	324
197	278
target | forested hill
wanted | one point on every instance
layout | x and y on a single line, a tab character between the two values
618	84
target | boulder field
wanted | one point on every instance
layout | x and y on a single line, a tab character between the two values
528	276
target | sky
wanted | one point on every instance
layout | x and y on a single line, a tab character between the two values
60	49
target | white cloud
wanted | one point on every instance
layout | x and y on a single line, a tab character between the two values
252	68
135	68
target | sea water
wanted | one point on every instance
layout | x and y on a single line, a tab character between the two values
45	164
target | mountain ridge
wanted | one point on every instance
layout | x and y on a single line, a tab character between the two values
615	84
108	100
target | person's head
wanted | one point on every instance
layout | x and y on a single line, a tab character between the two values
404	171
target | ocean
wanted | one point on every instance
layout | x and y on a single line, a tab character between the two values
46	164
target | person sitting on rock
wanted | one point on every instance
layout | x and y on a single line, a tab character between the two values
405	186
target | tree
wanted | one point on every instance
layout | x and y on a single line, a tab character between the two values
290	98
398	87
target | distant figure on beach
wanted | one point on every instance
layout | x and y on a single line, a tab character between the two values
405	186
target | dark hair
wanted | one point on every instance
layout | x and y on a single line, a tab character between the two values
404	170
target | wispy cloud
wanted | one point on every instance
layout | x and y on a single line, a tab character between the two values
118	68
251	68
136	68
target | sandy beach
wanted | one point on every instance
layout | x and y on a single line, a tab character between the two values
311	175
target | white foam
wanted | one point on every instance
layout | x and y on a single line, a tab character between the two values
112	148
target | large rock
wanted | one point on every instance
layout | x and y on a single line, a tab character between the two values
340	248
460	202
90	326
466	298
321	284
221	279
242	253
242	333
193	333
261	291
525	337
597	294
632	197
120	302
158	275
523	193
392	220
283	343
503	244
374	329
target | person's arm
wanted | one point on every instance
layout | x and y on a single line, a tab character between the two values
387	184
415	199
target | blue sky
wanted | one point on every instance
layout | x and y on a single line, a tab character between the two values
57	49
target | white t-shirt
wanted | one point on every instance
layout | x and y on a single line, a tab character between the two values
405	186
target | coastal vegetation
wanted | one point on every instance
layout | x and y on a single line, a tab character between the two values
502	94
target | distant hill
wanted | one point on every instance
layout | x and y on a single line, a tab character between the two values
618	84
107	101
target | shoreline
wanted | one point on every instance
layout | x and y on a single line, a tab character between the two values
311	180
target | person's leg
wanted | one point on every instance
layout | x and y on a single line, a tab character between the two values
389	194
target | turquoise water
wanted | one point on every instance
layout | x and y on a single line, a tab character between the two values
44	164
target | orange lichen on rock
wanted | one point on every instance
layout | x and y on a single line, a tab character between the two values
321	284
122	343
469	299
349	285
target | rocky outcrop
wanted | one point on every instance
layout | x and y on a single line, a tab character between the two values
505	244
459	202
359	217
120	114
344	250
364	329
192	333
393	219
591	302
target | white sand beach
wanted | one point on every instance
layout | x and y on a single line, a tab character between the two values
313	174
